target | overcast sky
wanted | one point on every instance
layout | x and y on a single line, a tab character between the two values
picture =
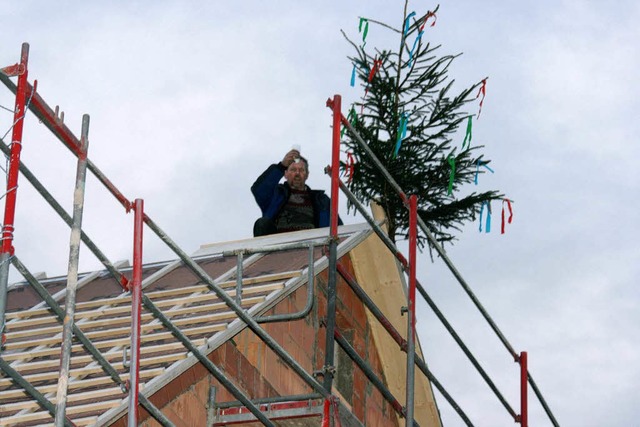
190	101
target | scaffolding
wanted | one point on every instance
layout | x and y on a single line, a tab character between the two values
321	403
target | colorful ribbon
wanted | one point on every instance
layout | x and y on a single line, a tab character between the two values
352	117
488	223
415	43
483	91
353	76
376	66
421	31
402	132
452	173
366	30
407	23
478	169
510	214
468	135
426	18
350	166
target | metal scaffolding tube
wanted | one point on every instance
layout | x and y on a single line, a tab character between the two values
268	400
387	241
136	312
278	248
239	273
411	312
6	248
246	318
309	304
119	277
31	390
213	369
330	320
402	343
72	275
364	367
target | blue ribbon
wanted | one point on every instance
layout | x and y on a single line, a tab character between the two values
488	223
477	170
415	43
402	132
407	23
353	76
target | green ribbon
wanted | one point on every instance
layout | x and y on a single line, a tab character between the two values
467	137
366	30
352	117
452	174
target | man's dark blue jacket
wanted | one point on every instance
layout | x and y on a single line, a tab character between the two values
272	196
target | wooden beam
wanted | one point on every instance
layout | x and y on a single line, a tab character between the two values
71	410
78	384
88	370
102	344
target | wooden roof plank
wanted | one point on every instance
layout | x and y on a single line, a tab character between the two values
78	384
93	324
71	410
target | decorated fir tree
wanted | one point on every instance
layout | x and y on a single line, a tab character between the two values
409	116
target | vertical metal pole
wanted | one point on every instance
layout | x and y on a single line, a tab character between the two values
333	247
72	275
411	318
239	273
136	309
6	249
524	415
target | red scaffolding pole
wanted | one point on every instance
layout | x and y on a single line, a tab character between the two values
524	410
20	111
335	162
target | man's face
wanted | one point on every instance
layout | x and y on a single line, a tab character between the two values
296	175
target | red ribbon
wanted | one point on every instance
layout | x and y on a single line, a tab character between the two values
483	92
510	214
426	18
350	166
376	66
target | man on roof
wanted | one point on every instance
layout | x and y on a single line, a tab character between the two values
292	205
